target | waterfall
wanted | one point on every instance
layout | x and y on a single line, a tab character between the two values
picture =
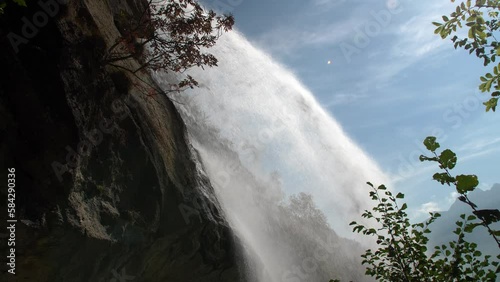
262	136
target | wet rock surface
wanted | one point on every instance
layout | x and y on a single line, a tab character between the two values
107	185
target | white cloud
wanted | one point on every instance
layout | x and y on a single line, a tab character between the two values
452	198
288	39
435	206
328	3
479	154
479	144
344	98
429	207
416	170
411	41
416	37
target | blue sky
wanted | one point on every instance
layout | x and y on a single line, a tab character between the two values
382	73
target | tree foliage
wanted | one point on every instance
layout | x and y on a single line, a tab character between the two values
463	184
402	253
302	206
170	36
481	19
3	5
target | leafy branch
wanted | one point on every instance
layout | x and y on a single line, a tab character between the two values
402	247
170	36
464	184
482	21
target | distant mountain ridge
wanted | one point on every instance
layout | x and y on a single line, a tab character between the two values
442	229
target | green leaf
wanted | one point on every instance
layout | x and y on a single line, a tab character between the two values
471	217
471	33
488	216
443	178
423	158
491	104
431	144
357	229
470	227
448	159
20	2
466	183
400	196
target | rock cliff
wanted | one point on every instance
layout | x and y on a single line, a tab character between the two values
107	185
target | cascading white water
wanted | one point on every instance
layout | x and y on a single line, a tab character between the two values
260	135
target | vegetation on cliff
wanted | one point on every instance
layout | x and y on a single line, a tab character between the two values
170	36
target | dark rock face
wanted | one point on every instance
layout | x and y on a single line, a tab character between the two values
107	186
